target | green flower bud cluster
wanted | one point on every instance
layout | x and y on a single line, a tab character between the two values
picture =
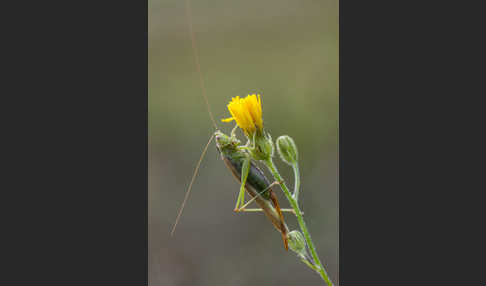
297	243
263	146
287	149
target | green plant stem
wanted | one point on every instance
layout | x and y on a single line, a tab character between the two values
321	270
295	166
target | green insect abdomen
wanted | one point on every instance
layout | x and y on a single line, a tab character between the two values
256	178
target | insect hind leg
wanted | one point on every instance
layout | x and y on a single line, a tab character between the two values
243	207
260	210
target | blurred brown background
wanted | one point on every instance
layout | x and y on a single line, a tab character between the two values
288	52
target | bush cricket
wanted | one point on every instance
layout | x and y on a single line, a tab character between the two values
237	159
241	161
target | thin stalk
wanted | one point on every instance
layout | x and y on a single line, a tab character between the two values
321	270
295	166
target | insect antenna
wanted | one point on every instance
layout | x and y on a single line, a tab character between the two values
196	60
190	185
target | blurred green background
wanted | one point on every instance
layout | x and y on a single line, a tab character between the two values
288	52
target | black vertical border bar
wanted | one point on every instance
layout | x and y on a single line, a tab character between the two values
79	130
365	81
115	207
401	94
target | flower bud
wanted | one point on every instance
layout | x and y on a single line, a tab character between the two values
263	147
297	243
287	149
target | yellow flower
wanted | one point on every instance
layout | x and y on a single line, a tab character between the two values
247	112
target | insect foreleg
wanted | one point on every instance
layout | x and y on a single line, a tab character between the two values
233	131
244	175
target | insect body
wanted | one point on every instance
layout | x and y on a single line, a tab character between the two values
247	113
254	182
251	179
237	158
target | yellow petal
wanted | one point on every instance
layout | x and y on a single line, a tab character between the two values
228	119
247	112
